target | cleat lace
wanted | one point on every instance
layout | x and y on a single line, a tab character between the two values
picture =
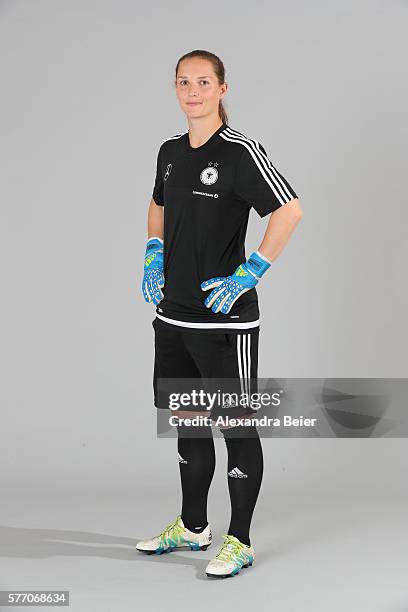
172	532
231	549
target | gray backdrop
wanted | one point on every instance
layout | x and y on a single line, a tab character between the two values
86	100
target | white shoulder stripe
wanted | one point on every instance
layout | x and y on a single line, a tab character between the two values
175	136
255	143
265	166
271	166
283	194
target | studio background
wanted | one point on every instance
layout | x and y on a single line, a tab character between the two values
87	99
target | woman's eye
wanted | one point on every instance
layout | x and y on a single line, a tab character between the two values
203	81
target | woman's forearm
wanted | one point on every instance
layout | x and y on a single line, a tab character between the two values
280	227
155	220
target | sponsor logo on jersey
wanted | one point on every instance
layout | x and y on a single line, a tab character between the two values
168	170
210	174
205	193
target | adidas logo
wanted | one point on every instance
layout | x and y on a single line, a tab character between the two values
181	460
236	473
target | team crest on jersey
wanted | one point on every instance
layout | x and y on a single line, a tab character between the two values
168	170
210	174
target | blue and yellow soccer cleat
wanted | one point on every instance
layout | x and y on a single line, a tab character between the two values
175	535
232	555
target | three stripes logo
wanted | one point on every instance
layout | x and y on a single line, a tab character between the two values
149	259
244	365
273	178
240	271
236	473
181	460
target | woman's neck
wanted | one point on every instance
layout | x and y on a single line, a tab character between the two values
200	130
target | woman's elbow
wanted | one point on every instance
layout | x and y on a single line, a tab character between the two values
293	210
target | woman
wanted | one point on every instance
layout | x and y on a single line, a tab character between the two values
207	317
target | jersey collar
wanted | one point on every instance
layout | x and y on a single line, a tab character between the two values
206	144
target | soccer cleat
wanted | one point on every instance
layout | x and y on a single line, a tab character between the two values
232	555
176	535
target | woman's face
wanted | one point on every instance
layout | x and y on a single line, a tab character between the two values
197	88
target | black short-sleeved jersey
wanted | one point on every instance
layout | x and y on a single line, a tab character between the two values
207	193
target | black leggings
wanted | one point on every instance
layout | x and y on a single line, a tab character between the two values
244	474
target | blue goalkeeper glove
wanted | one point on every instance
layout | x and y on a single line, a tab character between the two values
153	277
229	288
